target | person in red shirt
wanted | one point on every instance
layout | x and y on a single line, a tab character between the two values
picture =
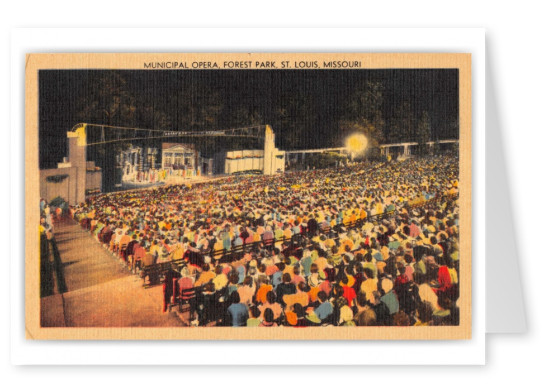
139	255
187	293
401	279
349	294
444	279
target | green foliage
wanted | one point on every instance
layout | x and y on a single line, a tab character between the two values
323	160
109	101
56	178
373	133
423	133
455	149
58	201
295	115
365	102
402	125
244	117
364	114
198	104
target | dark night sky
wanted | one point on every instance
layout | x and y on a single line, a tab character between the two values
435	91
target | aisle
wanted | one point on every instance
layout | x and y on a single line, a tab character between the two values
100	291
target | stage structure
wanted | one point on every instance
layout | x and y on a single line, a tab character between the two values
269	161
406	150
172	163
74	177
84	176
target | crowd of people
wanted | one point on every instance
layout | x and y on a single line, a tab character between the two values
378	244
160	175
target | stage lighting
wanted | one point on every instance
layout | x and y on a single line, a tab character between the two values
356	144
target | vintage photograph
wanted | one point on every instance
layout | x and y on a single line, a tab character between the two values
248	196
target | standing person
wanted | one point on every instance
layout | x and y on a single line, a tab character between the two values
268	238
207	304
312	226
187	293
129	251
237	312
205	276
169	289
48	215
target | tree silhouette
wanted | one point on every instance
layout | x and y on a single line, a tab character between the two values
402	124
108	100
423	133
364	113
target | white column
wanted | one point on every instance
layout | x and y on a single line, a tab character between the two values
269	147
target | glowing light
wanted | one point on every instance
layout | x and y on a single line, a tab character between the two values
356	143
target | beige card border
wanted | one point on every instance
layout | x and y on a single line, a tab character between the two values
36	62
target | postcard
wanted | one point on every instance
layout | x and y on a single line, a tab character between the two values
232	196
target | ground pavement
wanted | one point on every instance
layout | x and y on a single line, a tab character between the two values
100	291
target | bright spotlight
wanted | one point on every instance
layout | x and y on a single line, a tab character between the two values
356	144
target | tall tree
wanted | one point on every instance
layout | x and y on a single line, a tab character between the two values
244	116
206	108
402	124
364	112
423	133
108	100
295	118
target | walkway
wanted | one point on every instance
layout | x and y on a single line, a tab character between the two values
100	292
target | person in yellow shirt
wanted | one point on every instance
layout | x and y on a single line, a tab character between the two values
177	251
346	245
346	218
379	208
329	243
217	248
221	280
205	276
287	232
369	285
155	251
